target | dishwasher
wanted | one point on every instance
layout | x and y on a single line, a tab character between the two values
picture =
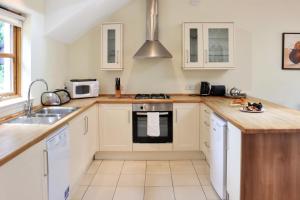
58	157
218	144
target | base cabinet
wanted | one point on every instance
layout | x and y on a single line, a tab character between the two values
186	127
115	126
83	143
234	145
23	177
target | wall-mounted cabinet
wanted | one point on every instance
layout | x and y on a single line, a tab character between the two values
112	46
208	46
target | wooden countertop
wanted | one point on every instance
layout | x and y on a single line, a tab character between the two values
14	139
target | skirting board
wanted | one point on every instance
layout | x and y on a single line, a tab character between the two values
162	155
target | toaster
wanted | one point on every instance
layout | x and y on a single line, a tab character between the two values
55	98
218	90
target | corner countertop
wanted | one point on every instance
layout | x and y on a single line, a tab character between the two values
14	139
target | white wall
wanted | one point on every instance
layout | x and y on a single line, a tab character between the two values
259	25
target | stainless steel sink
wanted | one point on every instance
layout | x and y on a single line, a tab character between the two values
47	115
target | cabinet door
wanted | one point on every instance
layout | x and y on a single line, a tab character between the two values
92	132
23	177
115	126
186	127
77	150
192	46
112	48
218	45
234	139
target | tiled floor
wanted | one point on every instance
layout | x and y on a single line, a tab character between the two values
148	180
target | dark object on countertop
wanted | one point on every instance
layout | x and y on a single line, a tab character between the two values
218	90
55	98
82	80
204	88
118	87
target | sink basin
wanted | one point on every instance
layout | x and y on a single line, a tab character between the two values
34	120
56	110
47	115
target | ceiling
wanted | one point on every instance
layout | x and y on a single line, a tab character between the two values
68	20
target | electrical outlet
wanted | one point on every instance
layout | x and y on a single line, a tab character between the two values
190	87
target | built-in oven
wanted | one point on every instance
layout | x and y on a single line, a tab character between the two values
139	115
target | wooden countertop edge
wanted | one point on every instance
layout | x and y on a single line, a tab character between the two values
50	129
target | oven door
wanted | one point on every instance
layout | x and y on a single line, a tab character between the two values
140	128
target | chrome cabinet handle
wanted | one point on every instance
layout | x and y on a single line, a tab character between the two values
86	125
207	145
206	124
46	165
129	116
117	56
176	115
206	55
187	56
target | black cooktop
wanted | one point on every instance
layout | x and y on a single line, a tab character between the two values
152	96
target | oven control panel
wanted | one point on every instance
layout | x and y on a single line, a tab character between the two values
152	107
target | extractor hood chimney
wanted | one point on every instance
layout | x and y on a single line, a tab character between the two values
152	48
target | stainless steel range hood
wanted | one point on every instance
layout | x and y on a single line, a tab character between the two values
152	48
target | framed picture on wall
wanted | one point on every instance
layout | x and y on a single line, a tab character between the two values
291	51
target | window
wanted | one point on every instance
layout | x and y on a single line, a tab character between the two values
10	37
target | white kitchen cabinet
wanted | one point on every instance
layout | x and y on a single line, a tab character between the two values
115	126
23	176
112	46
186	127
208	46
205	130
83	143
234	145
193	45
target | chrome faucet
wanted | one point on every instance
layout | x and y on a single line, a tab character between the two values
28	106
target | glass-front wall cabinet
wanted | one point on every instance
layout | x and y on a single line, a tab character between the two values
208	45
111	43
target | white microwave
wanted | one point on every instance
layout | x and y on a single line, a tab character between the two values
83	88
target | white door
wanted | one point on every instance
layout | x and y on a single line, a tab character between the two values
218	45
234	145
23	177
112	47
186	127
192	45
115	126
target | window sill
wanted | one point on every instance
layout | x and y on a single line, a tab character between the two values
11	106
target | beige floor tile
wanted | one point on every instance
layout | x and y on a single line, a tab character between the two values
181	162
105	180
189	192
185	180
199	162
158	163
158	169
210	193
134	167
129	193
202	169
182	169
159	193
79	193
110	167
132	180
158	180
204	179
86	179
94	167
97	193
